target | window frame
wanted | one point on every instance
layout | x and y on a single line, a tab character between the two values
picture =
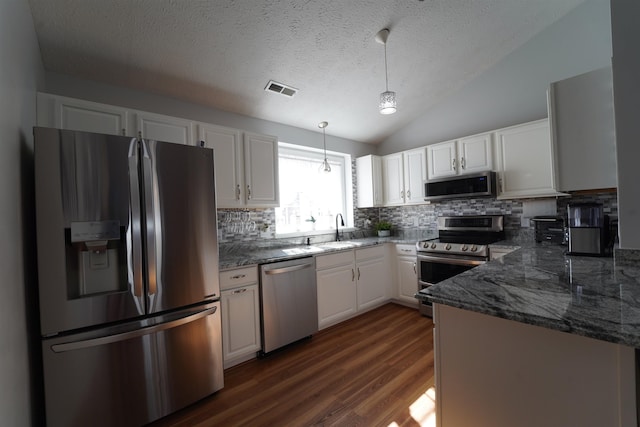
334	157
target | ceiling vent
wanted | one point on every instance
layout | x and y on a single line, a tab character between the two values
281	88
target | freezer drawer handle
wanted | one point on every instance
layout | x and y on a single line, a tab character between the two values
287	269
94	342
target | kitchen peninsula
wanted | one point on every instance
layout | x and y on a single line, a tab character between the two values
537	337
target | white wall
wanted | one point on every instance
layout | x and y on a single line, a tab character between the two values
20	74
65	85
626	93
514	90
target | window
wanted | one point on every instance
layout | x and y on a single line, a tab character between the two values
310	198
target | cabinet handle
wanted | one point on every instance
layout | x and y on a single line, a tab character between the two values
453	164
501	183
414	268
139	134
462	163
124	133
402	194
239	291
358	273
405	250
238	276
408	194
248	192
353	275
238	192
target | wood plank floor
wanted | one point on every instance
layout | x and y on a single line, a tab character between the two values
366	371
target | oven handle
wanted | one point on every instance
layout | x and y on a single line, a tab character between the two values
451	260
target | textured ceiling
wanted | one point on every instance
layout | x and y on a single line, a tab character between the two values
222	53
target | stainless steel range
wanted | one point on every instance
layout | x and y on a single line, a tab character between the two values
462	244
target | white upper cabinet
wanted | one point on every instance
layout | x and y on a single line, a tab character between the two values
465	155
164	128
261	170
369	181
475	153
582	124
524	154
403	176
442	158
415	173
228	163
393	178
246	166
75	114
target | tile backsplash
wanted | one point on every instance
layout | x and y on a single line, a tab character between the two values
256	225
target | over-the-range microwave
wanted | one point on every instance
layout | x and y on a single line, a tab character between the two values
473	185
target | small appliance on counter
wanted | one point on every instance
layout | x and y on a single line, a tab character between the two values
550	229
588	230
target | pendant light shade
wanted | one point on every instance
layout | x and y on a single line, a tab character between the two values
387	98
325	167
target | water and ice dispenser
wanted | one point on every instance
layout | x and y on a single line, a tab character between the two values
96	261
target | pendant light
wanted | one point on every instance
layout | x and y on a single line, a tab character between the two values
387	98
325	167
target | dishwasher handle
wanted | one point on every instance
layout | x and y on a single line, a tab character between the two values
287	269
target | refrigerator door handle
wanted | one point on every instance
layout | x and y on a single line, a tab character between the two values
135	261
151	225
109	339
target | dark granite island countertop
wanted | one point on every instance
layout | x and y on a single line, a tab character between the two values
542	286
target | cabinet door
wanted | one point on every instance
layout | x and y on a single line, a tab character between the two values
526	161
407	279
393	178
75	114
415	173
228	165
164	128
261	170
369	181
475	154
336	295
372	277
442	160
240	323
582	120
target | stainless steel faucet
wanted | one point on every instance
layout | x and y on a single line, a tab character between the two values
341	223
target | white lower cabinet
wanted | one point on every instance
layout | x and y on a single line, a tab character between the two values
336	289
240	315
350	282
407	275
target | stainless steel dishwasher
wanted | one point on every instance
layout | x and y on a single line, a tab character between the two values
289	303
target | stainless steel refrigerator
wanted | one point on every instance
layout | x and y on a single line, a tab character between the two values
128	277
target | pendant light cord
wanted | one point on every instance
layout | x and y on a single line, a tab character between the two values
386	73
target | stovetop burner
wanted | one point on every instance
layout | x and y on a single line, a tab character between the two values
465	235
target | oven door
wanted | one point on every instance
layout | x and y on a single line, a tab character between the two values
433	269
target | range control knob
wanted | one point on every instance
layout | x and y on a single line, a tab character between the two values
474	248
464	248
448	247
433	245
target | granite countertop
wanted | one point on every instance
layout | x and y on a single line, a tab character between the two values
543	286
238	255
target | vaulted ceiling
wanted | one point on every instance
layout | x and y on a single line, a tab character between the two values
222	53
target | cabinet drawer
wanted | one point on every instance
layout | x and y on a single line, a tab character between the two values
230	279
368	253
408	250
334	259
